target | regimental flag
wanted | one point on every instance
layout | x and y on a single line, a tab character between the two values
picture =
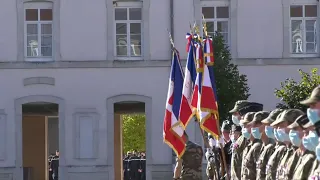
173	132
196	96
186	111
209	115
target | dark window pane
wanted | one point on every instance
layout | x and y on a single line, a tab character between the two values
121	14
208	12
210	27
135	14
31	14
135	28
310	10
296	11
222	12
121	28
46	14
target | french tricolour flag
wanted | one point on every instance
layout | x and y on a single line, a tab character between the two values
173	131
186	111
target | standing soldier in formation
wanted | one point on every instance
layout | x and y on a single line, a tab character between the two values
241	108
250	160
189	167
313	113
286	118
267	138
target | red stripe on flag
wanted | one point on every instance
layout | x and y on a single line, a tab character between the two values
186	113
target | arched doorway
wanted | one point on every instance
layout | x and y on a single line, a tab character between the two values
124	104
20	118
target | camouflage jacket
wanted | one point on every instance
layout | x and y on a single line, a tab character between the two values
191	162
266	152
274	160
281	170
315	171
304	166
236	160
249	161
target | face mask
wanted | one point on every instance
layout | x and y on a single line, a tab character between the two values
313	139
318	152
313	115
283	136
294	138
276	135
235	120
232	138
245	133
256	133
306	143
269	132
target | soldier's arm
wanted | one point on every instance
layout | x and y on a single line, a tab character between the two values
177	169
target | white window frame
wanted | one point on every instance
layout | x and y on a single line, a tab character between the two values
128	5
37	5
303	3
215	4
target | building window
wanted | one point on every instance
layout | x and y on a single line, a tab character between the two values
38	33
217	19
128	32
303	29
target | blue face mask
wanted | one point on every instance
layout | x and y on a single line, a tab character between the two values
313	139
235	120
295	138
232	138
256	133
318	152
283	136
313	115
269	132
306	143
245	133
275	133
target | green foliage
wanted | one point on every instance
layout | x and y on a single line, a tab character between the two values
134	132
231	85
292	92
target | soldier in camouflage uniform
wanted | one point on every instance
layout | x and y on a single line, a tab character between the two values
300	164
313	113
280	148
241	108
287	117
189	167
268	146
249	161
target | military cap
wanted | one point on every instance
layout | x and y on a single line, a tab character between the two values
247	118
251	107
235	128
272	116
226	125
289	115
300	121
239	104
314	98
259	116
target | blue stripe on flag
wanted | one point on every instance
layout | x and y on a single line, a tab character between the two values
177	79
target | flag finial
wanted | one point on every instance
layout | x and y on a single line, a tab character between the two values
204	24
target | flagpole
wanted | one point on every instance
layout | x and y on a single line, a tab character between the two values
224	164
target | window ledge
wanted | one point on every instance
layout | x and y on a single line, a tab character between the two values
38	59
129	58
304	55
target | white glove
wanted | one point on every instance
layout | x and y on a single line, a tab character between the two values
212	142
208	153
221	141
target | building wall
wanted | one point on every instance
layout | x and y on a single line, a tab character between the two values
85	74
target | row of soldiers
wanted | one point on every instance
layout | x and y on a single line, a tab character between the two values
279	145
134	166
